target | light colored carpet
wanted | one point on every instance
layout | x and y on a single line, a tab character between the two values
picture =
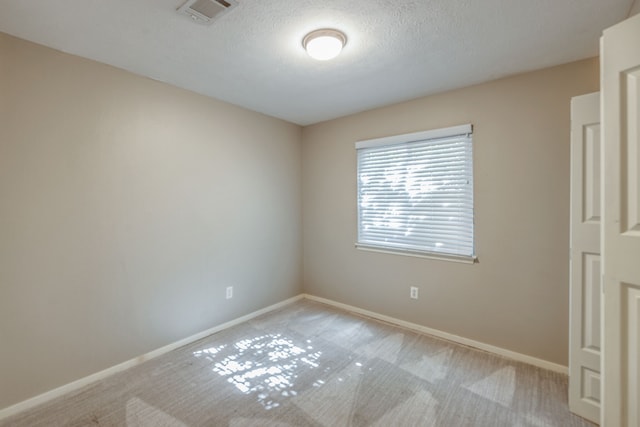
312	365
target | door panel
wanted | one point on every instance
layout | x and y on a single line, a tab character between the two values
591	386
630	95
591	172
591	289
584	357
620	65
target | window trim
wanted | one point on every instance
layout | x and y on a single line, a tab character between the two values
417	254
416	136
441	133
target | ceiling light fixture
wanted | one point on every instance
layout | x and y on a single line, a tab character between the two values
324	44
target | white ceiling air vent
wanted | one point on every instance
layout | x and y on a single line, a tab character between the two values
204	11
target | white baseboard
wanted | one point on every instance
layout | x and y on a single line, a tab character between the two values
447	336
75	385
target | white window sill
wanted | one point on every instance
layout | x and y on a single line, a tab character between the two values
417	254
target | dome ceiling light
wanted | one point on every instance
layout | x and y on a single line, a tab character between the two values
324	44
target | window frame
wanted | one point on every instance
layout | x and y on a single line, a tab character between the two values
465	131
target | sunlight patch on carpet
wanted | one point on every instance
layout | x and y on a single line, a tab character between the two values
266	365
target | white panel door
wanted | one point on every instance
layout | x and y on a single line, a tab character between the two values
584	348
620	63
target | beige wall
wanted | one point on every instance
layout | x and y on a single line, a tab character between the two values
516	297
126	207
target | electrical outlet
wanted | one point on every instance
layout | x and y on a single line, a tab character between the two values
413	292
229	292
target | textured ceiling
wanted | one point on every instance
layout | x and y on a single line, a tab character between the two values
253	57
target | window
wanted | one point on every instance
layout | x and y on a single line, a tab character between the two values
415	194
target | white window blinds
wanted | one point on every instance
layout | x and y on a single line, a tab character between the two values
415	193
